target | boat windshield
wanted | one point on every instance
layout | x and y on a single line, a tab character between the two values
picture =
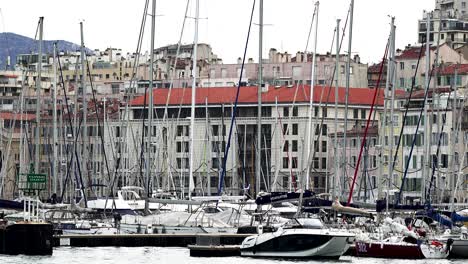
312	223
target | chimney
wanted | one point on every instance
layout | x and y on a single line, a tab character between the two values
272	55
251	60
357	59
239	60
298	56
265	87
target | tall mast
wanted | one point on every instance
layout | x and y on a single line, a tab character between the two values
38	97
150	108
427	143
84	135
258	157
337	72
194	87
310	142
391	136
384	142
348	72
54	130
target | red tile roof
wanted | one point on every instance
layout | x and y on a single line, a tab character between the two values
419	94
412	53
248	95
450	69
375	68
17	116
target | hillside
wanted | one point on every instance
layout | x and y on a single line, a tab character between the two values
13	44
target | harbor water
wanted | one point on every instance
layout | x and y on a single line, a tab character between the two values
135	255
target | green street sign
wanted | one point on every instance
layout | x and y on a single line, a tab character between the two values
36	178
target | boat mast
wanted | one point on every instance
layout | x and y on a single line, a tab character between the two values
384	142
427	143
84	135
348	67
151	106
336	105
38	97
310	142
54	129
194	87
391	89
258	157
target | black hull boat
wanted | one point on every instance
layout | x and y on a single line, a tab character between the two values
298	241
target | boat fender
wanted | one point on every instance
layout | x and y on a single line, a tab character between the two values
260	229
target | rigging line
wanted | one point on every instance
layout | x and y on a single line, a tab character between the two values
223	172
415	136
285	132
332	78
179	43
304	62
130	92
413	82
101	136
439	143
71	131
363	143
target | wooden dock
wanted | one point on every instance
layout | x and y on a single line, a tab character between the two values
144	240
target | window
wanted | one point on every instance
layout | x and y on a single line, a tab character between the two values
316	163
324	146
285	163
285	111
444	160
350	69
285	129
324	163
180	130
182	163
463	4
317	129
441	36
324	112
294	145
324	130
295	129
295	111
179	147
294	163
402	82
316	111
413	66
342	69
286	146
215	163
363	114
356	113
215	130
402	65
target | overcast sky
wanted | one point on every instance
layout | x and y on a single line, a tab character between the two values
224	23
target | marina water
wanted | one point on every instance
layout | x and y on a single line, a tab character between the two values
134	255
